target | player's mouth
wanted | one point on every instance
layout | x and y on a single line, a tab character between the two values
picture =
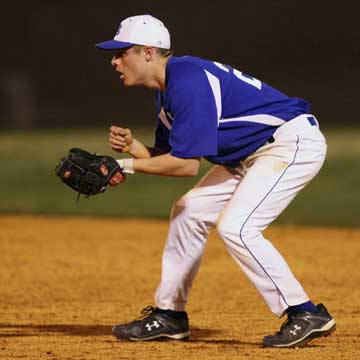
121	75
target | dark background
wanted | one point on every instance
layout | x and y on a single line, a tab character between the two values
52	76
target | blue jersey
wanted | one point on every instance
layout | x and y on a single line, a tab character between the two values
213	111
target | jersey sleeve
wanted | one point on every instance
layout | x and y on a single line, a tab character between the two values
193	107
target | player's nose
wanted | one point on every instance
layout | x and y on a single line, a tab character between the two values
114	62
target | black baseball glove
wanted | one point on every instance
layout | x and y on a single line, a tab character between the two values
89	174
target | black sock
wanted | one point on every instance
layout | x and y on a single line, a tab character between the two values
173	314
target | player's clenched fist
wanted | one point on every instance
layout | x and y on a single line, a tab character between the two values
120	139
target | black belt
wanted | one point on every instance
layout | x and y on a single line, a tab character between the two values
312	121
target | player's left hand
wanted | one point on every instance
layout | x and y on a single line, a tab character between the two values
87	173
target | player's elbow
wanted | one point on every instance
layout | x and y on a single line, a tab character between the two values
182	167
192	168
190	173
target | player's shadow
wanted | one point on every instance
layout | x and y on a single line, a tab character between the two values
199	336
13	330
204	336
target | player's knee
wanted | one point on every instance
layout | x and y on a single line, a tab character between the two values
187	206
231	230
225	230
178	207
182	207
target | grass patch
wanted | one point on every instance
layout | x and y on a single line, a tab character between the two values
29	184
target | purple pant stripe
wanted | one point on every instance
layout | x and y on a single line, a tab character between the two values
242	228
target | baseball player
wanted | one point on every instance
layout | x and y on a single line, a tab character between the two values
265	146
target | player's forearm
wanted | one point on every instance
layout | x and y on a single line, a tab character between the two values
167	165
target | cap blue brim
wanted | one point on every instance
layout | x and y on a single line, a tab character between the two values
113	45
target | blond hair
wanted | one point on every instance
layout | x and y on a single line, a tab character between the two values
160	51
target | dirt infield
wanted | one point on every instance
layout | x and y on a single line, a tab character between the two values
65	281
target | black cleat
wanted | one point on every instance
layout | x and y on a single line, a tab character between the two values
301	328
154	325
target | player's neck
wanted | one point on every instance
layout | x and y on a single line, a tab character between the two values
157	78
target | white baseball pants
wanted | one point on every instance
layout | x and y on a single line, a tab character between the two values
241	203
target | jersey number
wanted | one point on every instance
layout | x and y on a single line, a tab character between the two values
248	79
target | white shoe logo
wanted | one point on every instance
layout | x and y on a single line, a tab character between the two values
296	328
155	324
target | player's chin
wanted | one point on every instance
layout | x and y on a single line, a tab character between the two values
127	81
131	82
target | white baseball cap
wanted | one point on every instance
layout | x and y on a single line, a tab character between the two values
139	30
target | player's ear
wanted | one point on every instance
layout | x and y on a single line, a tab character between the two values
149	52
